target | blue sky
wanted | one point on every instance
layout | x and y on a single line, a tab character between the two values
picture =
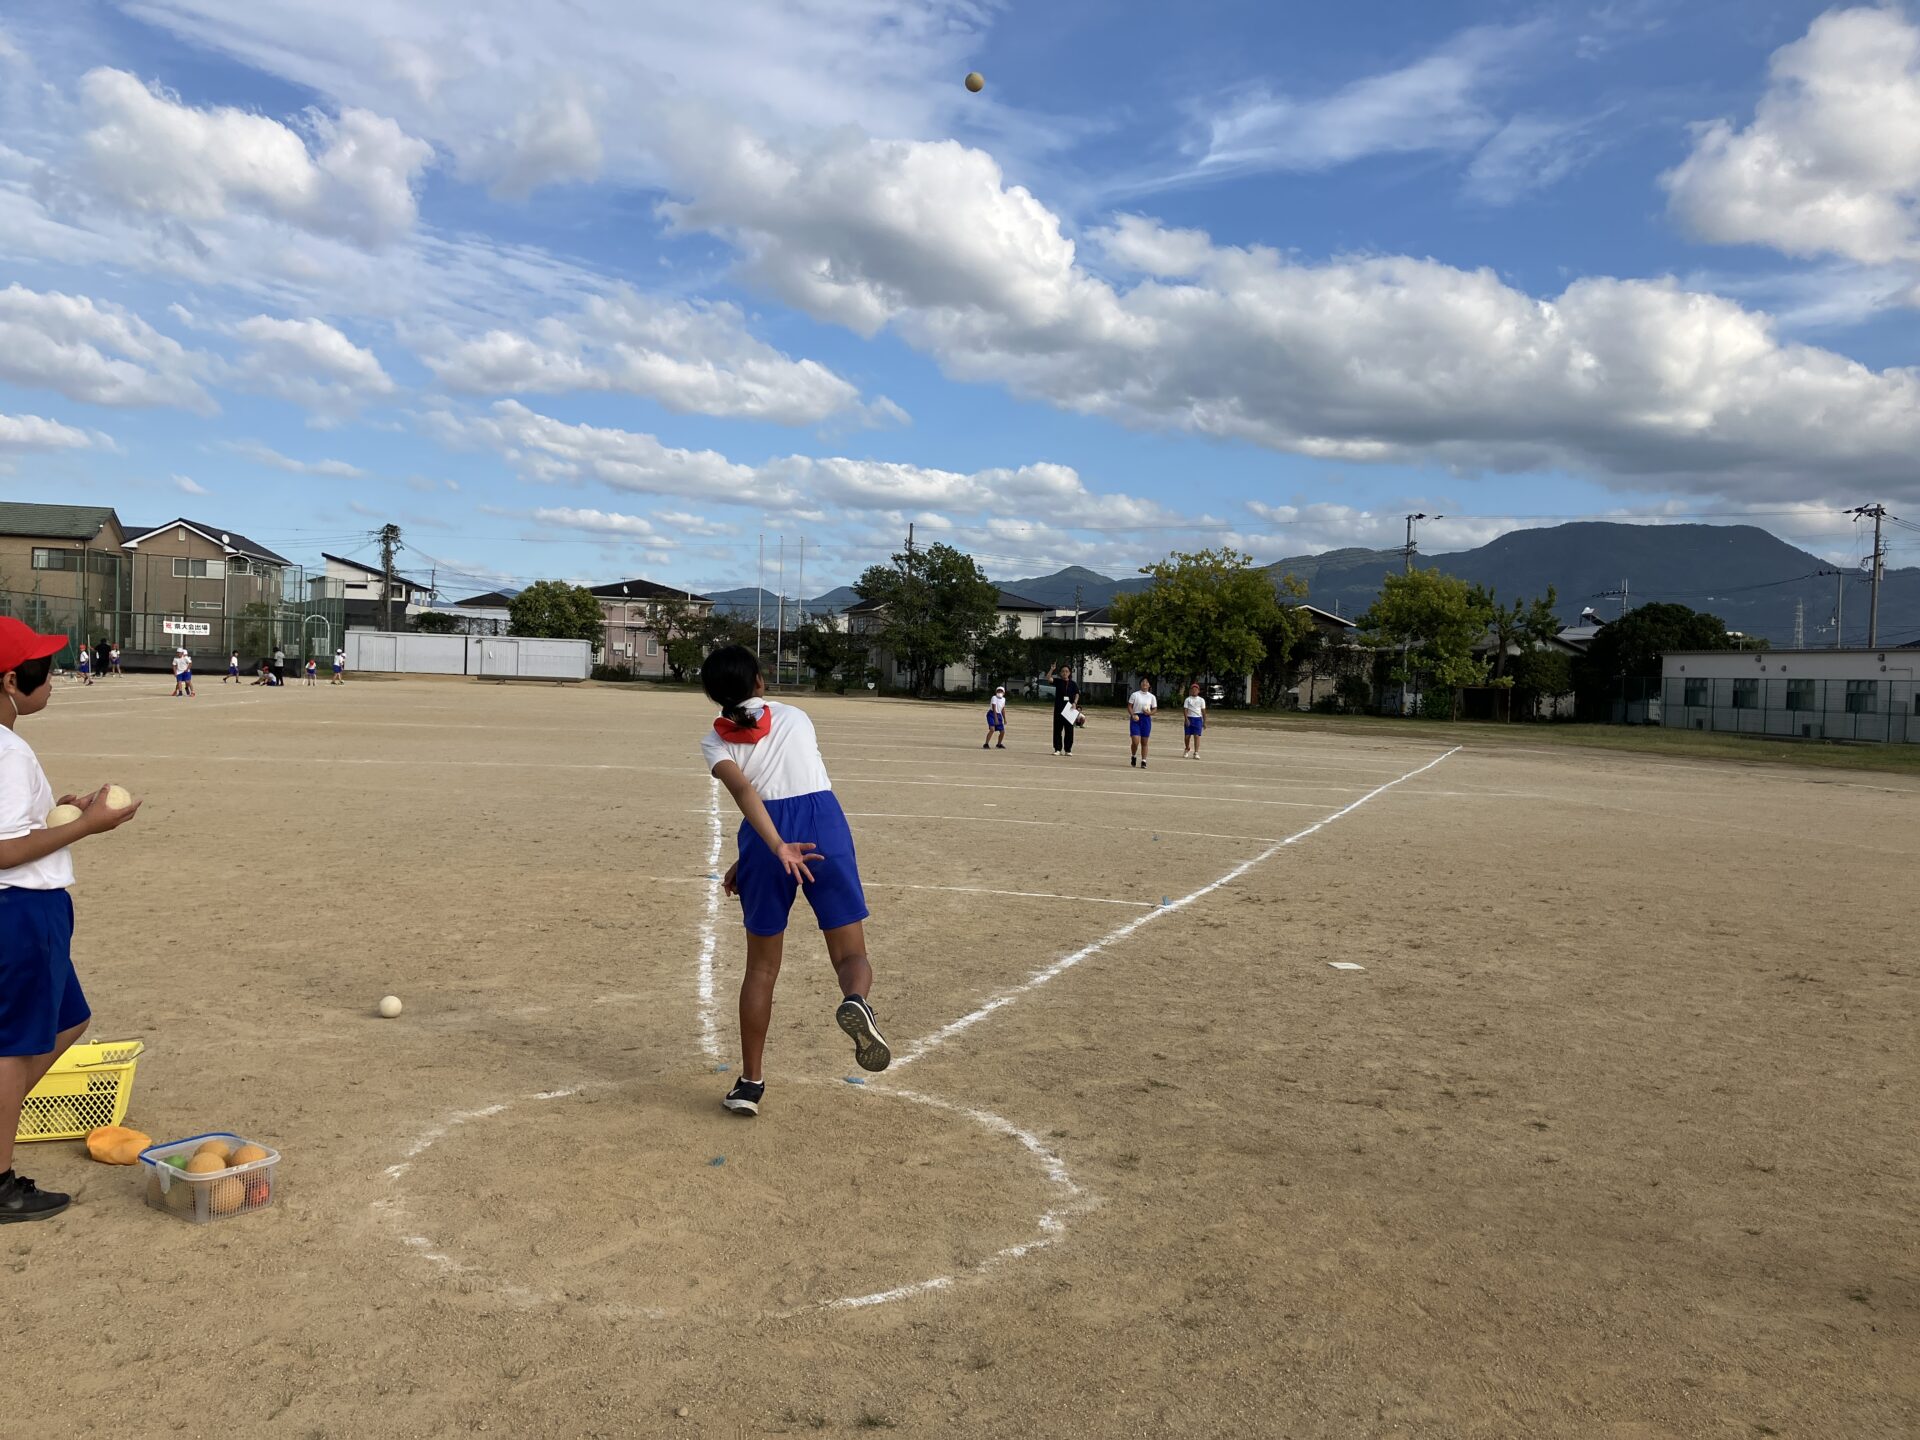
617	287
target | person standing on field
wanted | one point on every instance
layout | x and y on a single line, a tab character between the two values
85	663
1196	707
997	718
42	1007
113	659
1066	691
339	668
1140	707
280	664
182	674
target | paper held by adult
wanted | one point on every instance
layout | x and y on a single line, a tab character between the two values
1070	713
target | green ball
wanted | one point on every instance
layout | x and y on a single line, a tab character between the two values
179	1162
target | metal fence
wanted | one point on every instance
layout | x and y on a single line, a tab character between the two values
1876	708
253	621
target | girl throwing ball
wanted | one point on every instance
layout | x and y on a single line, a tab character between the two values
794	837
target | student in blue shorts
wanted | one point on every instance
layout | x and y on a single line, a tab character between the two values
86	666
1195	706
766	754
997	718
1140	707
42	1008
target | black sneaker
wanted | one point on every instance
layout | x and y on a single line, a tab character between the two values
745	1097
21	1199
855	1017
1133	759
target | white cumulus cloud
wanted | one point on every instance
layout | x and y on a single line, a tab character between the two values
1831	161
94	351
693	358
1641	382
35	432
265	455
353	175
312	364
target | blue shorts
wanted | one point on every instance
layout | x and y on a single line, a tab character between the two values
185	677
767	891
1140	726
1195	725
996	720
40	995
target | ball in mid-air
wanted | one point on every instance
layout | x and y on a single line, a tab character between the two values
976	82
389	1006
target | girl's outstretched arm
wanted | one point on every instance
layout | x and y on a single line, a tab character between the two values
793	854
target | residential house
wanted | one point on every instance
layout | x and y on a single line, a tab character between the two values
62	568
866	617
629	610
360	587
187	571
1093	672
486	614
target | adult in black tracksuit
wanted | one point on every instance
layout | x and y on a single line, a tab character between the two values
1065	692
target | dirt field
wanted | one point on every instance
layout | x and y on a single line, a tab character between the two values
1613	1134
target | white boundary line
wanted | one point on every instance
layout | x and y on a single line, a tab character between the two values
709	939
1086	952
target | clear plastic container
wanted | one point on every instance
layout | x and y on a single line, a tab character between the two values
216	1195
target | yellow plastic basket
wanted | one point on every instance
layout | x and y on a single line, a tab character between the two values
89	1086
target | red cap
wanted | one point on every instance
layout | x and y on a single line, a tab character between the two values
19	643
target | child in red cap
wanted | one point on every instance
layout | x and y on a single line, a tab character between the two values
42	1009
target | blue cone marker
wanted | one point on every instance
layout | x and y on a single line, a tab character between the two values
856	1080
721	1069
717	1160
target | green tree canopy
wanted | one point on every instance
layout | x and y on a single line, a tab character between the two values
938	603
1433	620
1631	647
1003	656
836	658
1205	613
555	610
1522	625
435	622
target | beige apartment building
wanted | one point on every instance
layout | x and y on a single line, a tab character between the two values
62	567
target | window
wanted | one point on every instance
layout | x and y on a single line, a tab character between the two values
396	592
56	559
653	644
239	566
185	569
1746	694
1800	695
1697	693
1863	697
213	605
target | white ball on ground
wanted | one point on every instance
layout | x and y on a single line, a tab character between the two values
116	798
389	1006
62	815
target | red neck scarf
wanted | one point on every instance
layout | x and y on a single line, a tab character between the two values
751	733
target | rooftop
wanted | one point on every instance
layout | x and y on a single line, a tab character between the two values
55	522
232	539
645	590
366	569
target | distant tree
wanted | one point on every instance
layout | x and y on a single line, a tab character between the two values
1291	640
1632	646
938	604
435	622
1541	673
836	658
1429	623
1205	613
1520	626
555	610
1003	656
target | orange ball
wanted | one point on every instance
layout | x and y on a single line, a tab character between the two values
976	82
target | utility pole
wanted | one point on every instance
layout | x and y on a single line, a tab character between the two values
780	611
389	542
1408	551
1878	514
760	601
1624	595
1076	634
1839	601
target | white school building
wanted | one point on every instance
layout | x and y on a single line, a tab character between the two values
1794	694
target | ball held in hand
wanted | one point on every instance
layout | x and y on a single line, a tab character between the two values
62	815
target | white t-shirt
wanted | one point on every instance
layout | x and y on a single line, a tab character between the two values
1143	702
25	799
180	664
1195	706
998	704
784	763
